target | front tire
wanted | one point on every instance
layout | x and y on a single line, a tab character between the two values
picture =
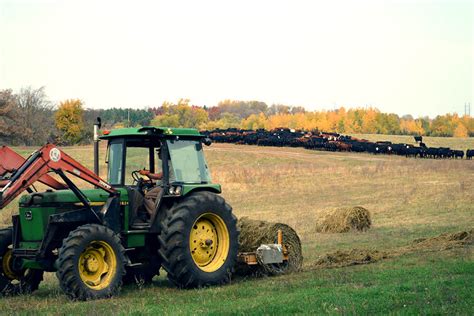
199	241
14	281
91	263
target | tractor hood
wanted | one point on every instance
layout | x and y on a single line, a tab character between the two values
49	197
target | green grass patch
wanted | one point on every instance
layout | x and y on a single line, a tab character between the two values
427	283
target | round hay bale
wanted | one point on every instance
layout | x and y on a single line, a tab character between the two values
343	220
254	233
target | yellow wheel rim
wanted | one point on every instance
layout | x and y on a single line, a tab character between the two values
97	265
209	242
7	265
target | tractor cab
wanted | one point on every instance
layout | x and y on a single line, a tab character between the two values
155	165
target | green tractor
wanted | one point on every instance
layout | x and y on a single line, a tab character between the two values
117	232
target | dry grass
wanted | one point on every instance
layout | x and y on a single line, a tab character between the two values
407	198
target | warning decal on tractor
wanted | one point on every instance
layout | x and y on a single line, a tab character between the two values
55	154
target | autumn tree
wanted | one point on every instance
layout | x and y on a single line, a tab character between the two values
468	122
443	125
181	114
390	123
69	120
411	127
228	120
278	109
254	122
460	131
242	109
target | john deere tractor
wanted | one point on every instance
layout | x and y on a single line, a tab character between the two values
95	239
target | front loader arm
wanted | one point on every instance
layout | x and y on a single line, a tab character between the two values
10	161
47	158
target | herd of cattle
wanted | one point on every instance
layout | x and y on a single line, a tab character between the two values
285	137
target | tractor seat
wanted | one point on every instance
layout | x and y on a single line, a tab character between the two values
138	215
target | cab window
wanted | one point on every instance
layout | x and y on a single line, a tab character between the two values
137	159
187	162
115	163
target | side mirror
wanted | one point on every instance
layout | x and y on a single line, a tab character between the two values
207	141
98	122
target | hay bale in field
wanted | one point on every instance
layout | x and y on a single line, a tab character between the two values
346	219
253	233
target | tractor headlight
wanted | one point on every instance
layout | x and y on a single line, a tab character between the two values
175	190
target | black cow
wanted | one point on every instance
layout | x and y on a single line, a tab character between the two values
315	142
469	154
458	154
383	148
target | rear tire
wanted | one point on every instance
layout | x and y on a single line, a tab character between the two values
14	281
91	263
199	241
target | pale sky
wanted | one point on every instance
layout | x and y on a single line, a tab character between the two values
407	57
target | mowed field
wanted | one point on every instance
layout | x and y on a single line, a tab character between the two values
408	199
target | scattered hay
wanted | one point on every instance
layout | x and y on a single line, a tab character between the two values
343	220
344	258
253	233
351	257
442	242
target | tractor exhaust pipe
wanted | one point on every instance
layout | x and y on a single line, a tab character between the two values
97	126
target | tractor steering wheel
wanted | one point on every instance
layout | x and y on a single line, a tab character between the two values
140	181
136	176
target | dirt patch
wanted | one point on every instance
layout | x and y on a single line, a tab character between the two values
344	258
343	220
253	233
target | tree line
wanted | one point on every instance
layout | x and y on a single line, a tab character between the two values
254	115
29	118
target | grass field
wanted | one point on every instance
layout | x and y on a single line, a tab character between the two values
408	199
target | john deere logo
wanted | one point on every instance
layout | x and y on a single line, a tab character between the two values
28	215
169	131
55	154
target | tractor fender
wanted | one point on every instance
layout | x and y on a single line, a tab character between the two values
200	189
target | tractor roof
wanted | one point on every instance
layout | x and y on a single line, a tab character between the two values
150	130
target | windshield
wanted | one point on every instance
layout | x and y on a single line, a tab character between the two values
188	162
